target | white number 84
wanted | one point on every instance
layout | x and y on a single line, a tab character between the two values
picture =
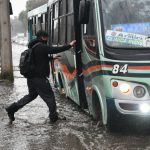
120	69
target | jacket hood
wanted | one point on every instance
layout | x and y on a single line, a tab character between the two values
33	42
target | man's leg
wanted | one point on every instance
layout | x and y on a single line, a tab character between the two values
45	91
23	101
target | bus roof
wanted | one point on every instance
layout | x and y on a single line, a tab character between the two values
39	10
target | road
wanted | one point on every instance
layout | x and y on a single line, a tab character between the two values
32	130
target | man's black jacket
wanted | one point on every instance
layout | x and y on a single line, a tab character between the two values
41	51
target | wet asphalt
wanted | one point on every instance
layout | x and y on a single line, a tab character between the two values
32	130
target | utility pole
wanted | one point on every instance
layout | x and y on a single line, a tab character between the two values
5	41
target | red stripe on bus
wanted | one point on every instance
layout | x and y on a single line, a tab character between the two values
92	68
139	67
67	73
70	75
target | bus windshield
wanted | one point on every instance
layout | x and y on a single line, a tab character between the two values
126	23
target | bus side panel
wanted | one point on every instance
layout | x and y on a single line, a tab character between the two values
61	30
65	68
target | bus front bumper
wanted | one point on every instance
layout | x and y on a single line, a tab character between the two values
127	111
133	107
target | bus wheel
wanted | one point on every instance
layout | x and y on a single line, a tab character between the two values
96	108
112	117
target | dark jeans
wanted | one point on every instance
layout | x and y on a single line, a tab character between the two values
41	87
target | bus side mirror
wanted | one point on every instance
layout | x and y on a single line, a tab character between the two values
84	12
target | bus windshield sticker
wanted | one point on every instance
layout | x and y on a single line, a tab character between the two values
126	38
120	69
142	28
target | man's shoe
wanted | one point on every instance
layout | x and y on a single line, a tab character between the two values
10	115
61	118
53	120
11	110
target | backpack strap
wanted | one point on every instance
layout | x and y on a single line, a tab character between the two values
33	51
36	45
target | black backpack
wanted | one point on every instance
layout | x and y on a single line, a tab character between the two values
27	65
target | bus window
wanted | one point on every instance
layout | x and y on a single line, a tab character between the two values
43	21
69	6
55	24
62	7
38	25
126	23
42	18
30	29
35	20
89	33
55	33
50	26
70	21
70	28
46	22
34	25
56	10
62	33
62	21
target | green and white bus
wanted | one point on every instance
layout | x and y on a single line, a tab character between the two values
108	72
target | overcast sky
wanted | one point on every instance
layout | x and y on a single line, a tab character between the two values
18	6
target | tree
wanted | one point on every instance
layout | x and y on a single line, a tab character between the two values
16	27
24	20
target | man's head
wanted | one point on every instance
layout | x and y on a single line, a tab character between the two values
42	35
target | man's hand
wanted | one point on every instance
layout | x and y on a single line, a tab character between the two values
72	43
57	57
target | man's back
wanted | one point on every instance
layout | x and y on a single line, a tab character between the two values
41	58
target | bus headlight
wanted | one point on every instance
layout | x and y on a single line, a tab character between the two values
124	88
139	91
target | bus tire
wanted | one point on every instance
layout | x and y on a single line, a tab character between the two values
113	117
96	108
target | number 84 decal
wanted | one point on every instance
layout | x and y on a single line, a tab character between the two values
120	69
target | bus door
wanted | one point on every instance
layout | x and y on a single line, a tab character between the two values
89	35
90	52
78	59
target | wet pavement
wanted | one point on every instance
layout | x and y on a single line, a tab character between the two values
32	130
